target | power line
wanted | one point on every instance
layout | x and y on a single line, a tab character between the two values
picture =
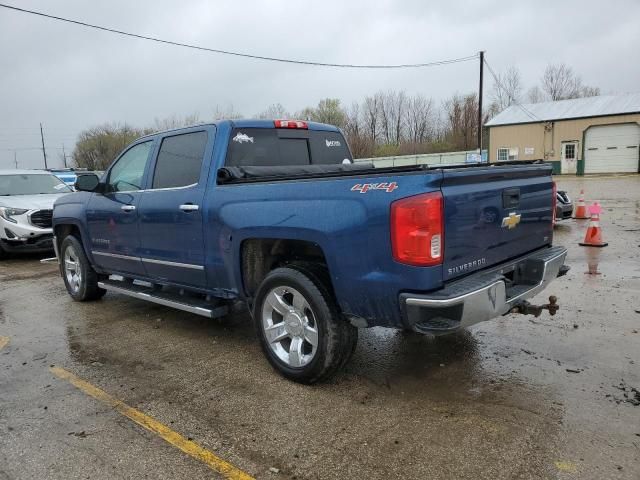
530	114
240	54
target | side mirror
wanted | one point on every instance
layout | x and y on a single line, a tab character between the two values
87	182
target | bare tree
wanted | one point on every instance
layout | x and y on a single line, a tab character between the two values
560	83
391	115
360	145
274	111
174	121
587	91
372	107
419	120
535	95
227	113
398	110
462	121
507	90
386	101
386	123
353	124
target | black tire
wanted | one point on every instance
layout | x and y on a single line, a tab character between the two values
86	289
3	253
336	337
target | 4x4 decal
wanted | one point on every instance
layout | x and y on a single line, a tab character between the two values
365	187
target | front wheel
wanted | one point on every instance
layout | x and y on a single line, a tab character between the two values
300	329
79	276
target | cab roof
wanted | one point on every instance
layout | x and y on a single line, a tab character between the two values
246	123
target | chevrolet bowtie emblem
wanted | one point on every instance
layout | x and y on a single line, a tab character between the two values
511	221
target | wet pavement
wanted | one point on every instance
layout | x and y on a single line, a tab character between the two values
517	397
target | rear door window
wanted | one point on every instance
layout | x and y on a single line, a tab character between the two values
180	160
281	147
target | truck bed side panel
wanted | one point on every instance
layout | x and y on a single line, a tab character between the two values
352	229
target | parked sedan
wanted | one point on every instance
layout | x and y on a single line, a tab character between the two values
564	206
26	205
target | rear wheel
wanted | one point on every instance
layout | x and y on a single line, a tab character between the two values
79	276
299	326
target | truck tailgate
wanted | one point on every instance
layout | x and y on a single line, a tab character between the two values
494	214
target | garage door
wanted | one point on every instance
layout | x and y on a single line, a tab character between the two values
612	149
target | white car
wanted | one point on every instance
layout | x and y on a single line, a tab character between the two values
26	205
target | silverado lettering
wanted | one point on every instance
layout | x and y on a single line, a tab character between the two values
467	266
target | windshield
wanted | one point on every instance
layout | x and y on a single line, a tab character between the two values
31	184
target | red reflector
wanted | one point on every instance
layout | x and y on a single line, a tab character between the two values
417	233
554	202
290	124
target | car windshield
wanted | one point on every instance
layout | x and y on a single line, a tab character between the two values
31	184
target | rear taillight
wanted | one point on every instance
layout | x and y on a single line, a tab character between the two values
291	124
554	202
417	230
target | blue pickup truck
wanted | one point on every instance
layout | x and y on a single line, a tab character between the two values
275	214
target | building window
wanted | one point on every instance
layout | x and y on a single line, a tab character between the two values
570	151
507	154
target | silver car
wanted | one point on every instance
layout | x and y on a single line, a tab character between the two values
26	205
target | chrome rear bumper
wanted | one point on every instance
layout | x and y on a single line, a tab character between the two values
483	295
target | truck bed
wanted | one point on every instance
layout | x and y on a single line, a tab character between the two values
326	205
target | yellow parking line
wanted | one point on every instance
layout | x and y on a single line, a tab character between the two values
567	467
3	342
187	446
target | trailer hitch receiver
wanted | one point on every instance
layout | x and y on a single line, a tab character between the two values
526	308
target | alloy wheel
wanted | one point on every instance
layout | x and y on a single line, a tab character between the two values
72	269
290	326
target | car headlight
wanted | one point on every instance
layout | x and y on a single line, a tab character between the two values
8	213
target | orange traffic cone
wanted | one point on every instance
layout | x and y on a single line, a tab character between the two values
593	238
581	209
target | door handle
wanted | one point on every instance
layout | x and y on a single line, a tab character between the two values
128	208
189	207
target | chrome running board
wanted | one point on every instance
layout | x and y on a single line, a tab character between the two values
180	302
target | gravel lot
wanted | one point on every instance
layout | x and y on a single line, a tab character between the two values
518	397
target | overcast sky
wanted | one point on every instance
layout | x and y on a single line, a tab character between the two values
70	77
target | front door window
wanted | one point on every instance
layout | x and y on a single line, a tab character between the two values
127	174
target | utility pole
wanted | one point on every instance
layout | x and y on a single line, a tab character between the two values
15	158
44	153
480	102
64	156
